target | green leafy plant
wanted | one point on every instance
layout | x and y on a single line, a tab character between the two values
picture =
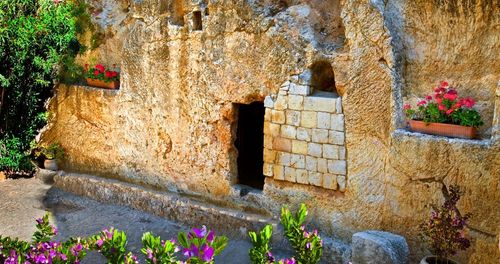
38	38
445	107
159	251
52	151
260	252
112	243
13	158
308	246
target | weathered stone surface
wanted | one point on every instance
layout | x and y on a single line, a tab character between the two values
173	122
373	247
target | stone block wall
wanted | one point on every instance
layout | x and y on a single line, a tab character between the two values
304	137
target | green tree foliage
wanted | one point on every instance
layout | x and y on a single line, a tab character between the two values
38	40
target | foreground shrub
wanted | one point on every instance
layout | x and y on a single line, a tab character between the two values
445	231
308	246
200	247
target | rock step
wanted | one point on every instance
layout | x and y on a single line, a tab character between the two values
164	204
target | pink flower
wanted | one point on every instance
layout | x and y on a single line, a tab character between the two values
444	84
428	98
96	72
442	107
439	100
449	111
100	67
450	97
468	102
407	107
423	102
108	74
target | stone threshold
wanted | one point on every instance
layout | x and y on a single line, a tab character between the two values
184	210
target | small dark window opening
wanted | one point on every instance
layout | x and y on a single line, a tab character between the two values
250	145
177	11
197	23
323	78
207	12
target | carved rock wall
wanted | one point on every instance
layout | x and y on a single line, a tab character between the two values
172	124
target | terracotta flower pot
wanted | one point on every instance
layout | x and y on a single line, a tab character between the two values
437	260
50	164
440	129
103	84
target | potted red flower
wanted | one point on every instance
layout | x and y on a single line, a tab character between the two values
445	114
99	76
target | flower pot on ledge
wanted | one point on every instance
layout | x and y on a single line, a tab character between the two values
441	129
103	84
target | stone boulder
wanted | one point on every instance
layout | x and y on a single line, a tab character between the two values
379	247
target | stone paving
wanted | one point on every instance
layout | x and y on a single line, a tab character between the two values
23	200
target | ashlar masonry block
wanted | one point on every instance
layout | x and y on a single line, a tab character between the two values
269	156
324	120
308	119
273	130
288	131
322	165
336	137
315	178
296	102
299	147
268	102
311	163
320	104
283	158
279	172
292	117
302	176
342	182
337	122
298	161
281	103
268	141
315	150
267	115
330	181
268	169
282	144
304	134
337	167
290	174
330	151
278	116
299	89
320	135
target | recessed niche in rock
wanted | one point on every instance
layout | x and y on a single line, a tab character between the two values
322	78
197	22
250	144
177	13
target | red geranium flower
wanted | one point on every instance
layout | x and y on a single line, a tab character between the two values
428	98
114	74
407	106
444	84
108	74
96	72
442	107
450	96
421	103
100	67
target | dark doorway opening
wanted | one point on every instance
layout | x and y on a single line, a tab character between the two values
250	144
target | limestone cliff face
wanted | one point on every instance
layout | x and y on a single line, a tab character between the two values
185	64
